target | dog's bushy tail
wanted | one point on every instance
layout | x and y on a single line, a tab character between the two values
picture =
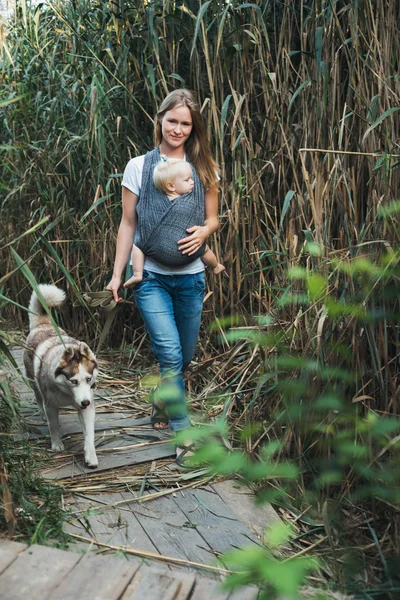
53	297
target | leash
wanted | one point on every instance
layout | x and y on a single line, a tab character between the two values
104	300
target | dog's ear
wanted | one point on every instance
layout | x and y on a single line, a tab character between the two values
85	351
66	357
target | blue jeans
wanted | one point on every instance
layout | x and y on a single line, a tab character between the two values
171	307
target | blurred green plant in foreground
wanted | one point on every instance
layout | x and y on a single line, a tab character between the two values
325	454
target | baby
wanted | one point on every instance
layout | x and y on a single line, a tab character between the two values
173	176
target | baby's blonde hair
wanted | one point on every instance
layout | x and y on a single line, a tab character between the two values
166	171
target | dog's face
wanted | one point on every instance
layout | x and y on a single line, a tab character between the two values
76	374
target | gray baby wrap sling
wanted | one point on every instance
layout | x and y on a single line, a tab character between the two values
162	222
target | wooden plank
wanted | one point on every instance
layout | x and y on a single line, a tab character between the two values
104	421
117	526
36	572
208	589
111	461
216	523
150	584
171	532
99	577
9	551
110	440
241	501
136	532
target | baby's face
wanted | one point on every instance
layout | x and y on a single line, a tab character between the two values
183	182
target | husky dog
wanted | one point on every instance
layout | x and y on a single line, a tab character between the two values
62	371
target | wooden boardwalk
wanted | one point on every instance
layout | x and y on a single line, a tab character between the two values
30	573
137	504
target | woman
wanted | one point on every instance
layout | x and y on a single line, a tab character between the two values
170	298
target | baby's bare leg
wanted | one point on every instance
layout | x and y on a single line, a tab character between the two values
137	265
210	260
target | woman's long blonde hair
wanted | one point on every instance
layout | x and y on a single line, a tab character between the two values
197	146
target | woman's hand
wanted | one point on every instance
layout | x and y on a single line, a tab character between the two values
114	286
189	245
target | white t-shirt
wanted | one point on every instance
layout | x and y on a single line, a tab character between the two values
132	180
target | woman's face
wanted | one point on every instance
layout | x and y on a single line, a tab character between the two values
176	126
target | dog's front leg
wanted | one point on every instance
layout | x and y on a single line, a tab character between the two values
86	418
54	426
39	401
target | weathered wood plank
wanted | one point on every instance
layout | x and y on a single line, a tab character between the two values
109	440
149	584
215	522
112	461
9	551
99	577
208	589
171	531
136	532
36	572
116	526
241	501
70	423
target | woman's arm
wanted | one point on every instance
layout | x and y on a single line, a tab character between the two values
199	234
126	233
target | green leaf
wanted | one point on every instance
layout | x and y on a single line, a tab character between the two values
199	18
35	286
329	402
297	272
11	100
95	205
313	248
373	109
317	286
278	534
391	209
287	577
286	205
224	113
27	232
384	426
380	120
178	77
297	92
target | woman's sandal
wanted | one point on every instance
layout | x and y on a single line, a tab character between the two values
159	416
183	460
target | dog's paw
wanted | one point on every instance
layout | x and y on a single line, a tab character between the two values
57	446
91	460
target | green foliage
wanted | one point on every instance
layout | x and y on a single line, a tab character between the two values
329	452
35	505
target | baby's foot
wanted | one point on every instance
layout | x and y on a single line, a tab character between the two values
218	269
134	280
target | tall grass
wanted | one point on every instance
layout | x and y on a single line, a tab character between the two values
277	82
